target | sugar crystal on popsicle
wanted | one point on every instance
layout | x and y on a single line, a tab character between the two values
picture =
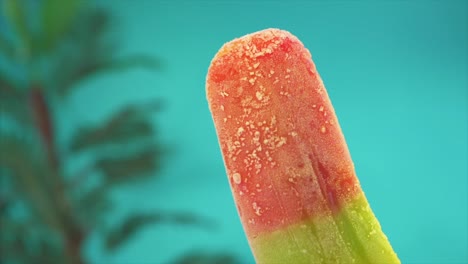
289	168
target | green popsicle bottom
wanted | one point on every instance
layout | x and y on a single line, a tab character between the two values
353	236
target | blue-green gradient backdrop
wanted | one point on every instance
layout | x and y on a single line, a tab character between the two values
396	72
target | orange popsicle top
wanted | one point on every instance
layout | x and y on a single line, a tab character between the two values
283	148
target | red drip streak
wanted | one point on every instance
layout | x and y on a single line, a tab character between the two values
323	178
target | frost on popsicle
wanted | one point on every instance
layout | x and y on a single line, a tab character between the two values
288	165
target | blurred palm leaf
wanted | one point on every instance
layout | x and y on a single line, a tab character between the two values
15	248
128	124
6	47
5	204
93	66
19	241
93	205
6	85
89	52
135	222
130	167
29	173
49	254
15	13
57	17
13	101
206	258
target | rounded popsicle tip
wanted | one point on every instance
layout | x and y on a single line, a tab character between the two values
257	44
251	49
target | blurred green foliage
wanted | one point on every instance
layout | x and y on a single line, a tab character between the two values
47	211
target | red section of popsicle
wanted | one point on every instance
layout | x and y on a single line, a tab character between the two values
281	142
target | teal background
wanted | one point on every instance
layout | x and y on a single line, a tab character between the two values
396	72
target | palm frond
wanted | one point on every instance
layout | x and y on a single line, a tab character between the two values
7	86
134	223
93	67
129	167
90	51
207	258
5	204
7	49
13	102
27	242
127	125
14	248
93	205
56	19
15	13
28	172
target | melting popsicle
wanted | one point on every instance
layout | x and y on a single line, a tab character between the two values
288	164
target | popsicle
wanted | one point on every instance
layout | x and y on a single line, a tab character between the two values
288	165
